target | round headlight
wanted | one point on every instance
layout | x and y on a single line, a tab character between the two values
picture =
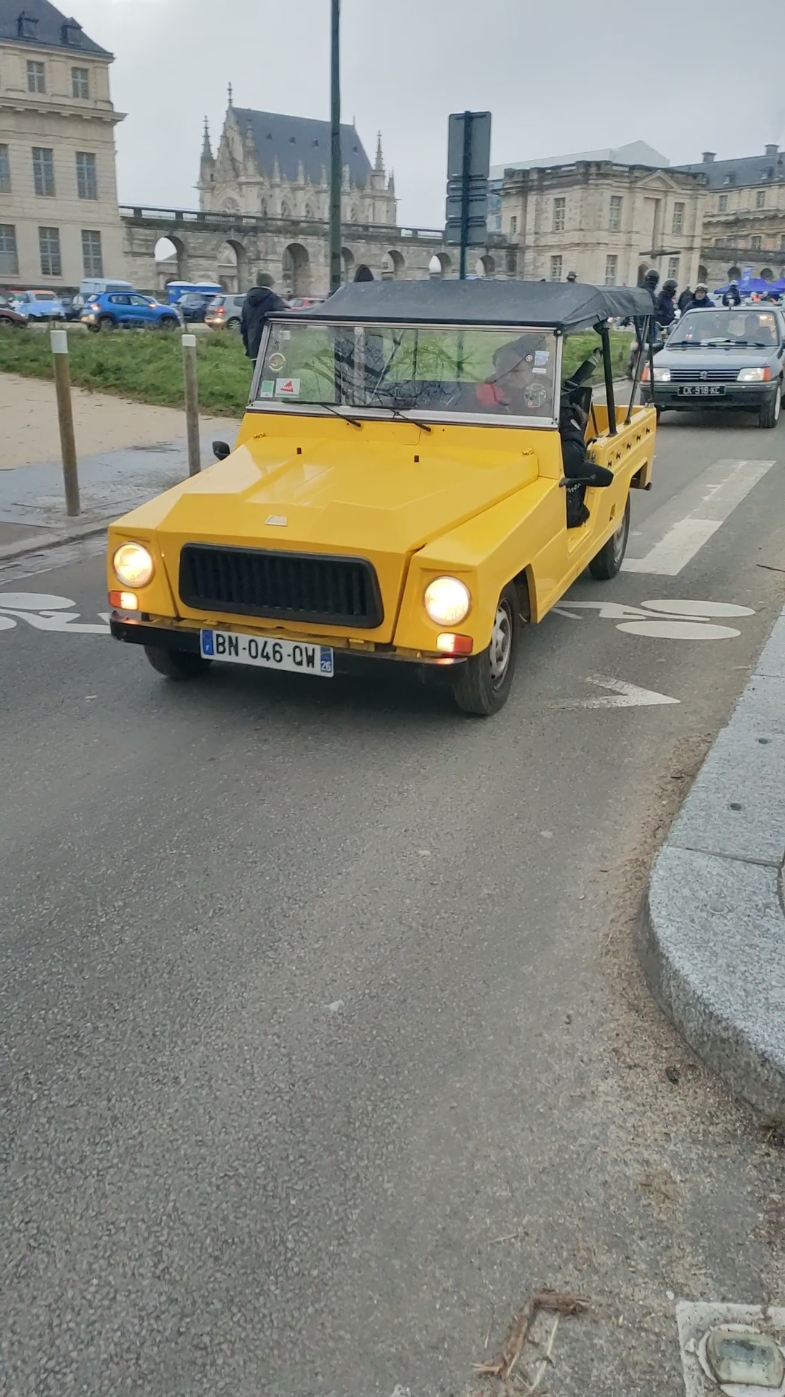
133	565
447	601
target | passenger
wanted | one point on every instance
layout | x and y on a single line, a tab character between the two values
572	430
514	385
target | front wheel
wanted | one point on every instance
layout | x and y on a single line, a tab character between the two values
769	414
175	664
105	322
482	685
169	323
607	563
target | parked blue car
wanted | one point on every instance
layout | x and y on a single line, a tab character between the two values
116	310
39	305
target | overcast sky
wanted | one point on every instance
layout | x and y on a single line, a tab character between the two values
558	76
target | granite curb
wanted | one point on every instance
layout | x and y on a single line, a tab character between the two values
712	933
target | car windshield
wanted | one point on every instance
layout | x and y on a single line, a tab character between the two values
45	296
424	369
737	327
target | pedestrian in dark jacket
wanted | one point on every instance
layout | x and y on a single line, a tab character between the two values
260	303
701	300
665	312
684	299
732	297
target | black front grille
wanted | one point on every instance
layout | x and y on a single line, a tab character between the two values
704	375
284	586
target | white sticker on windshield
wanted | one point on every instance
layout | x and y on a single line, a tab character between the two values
541	357
287	388
267	389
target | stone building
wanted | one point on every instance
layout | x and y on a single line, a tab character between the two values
59	220
744	215
277	167
603	219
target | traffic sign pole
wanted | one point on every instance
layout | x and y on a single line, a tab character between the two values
466	175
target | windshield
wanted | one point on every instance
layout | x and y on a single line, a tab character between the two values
738	327
423	369
45	296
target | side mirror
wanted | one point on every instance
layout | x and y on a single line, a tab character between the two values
221	450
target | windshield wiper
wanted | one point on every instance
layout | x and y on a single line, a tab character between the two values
355	421
396	412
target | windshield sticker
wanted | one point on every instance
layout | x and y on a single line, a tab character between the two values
287	388
541	357
276	362
267	389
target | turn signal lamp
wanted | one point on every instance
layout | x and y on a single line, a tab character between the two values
450	644
124	601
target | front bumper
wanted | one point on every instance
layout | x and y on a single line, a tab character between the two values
744	397
347	659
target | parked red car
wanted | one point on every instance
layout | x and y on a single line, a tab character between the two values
9	316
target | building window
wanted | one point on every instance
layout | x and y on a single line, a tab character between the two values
86	175
760	199
614	219
80	82
556	269
756	243
513	225
559	215
36	76
678	217
722	206
9	262
26	26
49	244
611	268
5	171
673	268
44	171
91	254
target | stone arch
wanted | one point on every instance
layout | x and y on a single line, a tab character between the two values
393	264
347	263
296	268
440	264
171	259
485	265
232	265
767	274
364	273
734	273
703	274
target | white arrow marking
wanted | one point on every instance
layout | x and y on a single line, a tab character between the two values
622	695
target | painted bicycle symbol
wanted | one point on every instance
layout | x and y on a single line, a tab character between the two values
665	620
46	613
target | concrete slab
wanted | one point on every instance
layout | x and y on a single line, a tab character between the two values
712	934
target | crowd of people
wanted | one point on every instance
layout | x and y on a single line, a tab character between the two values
666	303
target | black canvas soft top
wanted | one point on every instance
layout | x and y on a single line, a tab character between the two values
565	306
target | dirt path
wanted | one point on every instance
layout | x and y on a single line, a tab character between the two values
102	422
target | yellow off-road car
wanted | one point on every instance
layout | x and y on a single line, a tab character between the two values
405	488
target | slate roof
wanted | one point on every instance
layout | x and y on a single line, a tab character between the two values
49	31
729	174
298	138
635	153
558	305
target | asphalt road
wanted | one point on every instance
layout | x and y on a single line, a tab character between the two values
324	1042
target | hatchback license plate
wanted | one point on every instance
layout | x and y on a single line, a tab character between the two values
702	390
267	653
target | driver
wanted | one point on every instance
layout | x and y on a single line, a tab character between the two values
517	384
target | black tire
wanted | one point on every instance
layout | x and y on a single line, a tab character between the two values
105	322
176	664
769	414
233	325
169	322
607	563
477	689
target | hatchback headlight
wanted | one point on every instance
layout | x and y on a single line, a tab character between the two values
133	565
754	375
661	375
447	601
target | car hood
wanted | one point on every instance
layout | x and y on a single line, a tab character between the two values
380	493
751	357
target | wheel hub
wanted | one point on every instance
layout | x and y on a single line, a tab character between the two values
501	644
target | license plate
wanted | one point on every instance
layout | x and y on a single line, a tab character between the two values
702	390
293	655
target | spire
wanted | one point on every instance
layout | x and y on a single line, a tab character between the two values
207	153
379	166
231	95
